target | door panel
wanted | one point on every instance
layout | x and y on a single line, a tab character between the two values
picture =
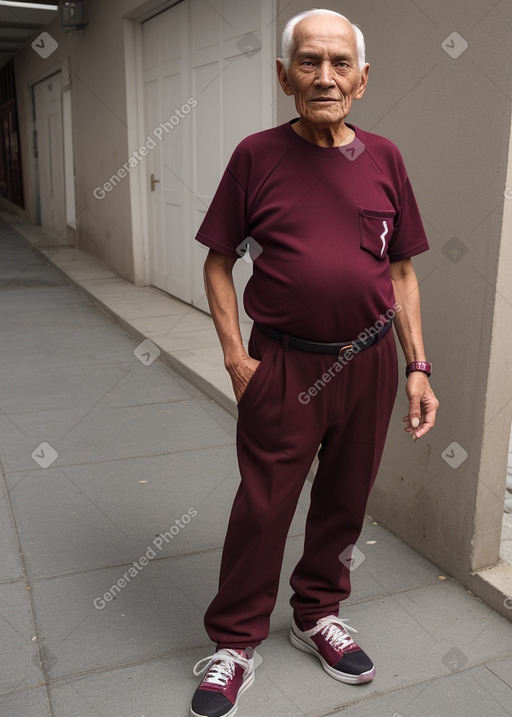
209	51
165	90
50	149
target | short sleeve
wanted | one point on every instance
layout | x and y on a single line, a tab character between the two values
409	236
225	225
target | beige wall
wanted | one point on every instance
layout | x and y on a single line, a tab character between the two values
451	119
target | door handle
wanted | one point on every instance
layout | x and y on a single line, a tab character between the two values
153	182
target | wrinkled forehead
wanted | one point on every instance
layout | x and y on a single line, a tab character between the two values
326	33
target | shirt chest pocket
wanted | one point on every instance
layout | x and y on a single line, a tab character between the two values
375	230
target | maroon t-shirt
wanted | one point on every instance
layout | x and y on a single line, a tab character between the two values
328	221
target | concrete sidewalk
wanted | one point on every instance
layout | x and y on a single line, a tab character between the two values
118	477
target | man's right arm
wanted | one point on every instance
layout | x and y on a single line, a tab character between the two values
222	299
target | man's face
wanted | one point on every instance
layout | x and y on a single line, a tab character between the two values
323	76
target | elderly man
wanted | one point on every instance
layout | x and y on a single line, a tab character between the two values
328	214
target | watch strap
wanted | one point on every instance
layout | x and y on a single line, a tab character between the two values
423	366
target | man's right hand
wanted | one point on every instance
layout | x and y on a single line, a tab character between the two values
241	372
221	294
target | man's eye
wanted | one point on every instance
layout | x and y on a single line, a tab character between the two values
308	63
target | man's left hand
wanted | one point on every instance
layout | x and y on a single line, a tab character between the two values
423	405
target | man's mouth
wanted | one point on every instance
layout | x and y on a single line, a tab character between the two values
324	99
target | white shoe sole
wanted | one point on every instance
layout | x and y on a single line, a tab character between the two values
245	685
336	674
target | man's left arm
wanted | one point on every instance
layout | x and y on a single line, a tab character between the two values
422	402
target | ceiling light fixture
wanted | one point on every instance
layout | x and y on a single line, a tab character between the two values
28	5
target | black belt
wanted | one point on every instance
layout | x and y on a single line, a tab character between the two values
318	347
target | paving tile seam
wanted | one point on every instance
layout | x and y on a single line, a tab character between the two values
33	285
26	578
154	316
58	576
129	458
18	690
488	666
29	262
159	403
14	471
403	591
187	554
74	329
52	681
376	696
119	406
13	581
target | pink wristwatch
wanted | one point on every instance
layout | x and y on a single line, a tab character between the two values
423	366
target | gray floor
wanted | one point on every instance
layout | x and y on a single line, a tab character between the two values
102	453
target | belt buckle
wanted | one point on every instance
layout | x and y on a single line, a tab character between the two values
345	348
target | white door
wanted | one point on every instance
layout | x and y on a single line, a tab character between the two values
214	57
50	151
166	87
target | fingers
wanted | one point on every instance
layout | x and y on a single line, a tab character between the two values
424	429
241	374
240	384
423	406
420	426
415	413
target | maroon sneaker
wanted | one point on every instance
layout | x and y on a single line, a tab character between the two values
227	674
341	657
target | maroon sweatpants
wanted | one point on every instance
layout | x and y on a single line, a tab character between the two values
280	427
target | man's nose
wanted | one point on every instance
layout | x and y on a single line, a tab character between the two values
324	77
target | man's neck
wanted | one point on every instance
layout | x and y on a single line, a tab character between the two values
324	136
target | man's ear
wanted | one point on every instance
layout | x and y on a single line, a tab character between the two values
363	82
282	76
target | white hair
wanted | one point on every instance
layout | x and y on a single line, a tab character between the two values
287	37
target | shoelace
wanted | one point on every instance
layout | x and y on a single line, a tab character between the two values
220	667
334	629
